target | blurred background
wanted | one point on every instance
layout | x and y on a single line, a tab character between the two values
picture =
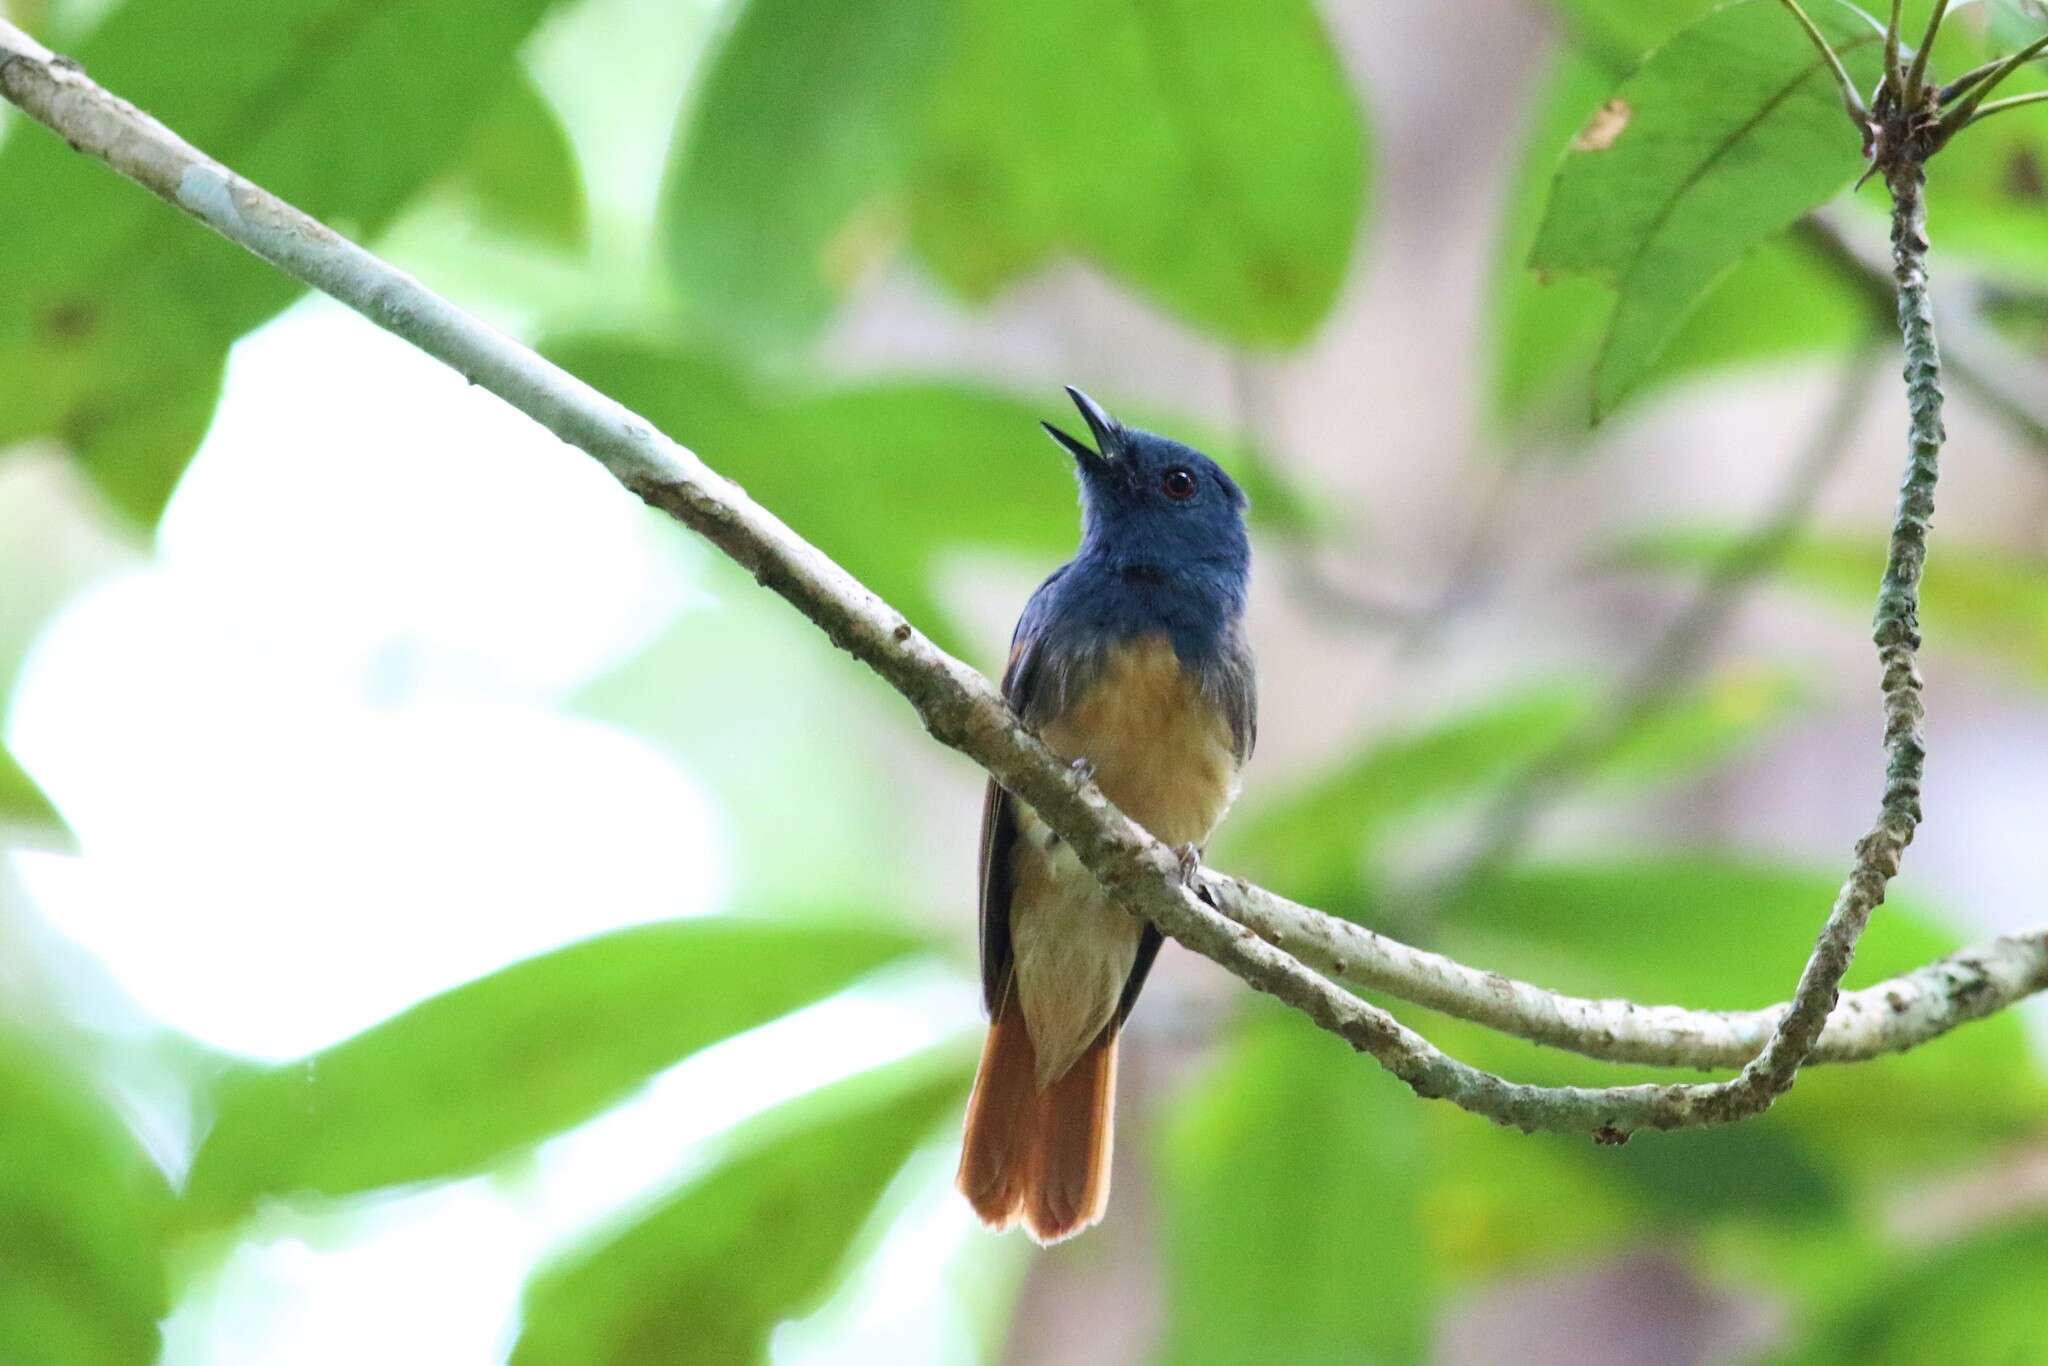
449	915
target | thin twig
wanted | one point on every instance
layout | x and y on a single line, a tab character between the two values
955	703
1975	356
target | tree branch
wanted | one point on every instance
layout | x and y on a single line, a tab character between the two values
961	709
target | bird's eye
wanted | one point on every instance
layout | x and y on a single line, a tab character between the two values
1178	484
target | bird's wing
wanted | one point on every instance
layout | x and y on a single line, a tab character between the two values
998	819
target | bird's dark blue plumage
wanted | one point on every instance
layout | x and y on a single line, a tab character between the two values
1132	658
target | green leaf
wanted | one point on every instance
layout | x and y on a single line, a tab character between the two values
460	1081
116	342
788	178
1978	1301
81	1224
1722	138
707	1273
1210	154
21	801
1292	1224
520	170
885	477
1618	34
1783	299
1315	839
1990	600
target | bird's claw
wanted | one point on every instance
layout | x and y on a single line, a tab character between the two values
1190	856
1083	770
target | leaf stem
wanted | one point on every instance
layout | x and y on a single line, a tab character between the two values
1960	116
1916	74
1851	100
2010	102
1892	75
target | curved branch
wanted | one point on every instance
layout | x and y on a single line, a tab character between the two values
1890	1017
961	709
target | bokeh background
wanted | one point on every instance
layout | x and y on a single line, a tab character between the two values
448	915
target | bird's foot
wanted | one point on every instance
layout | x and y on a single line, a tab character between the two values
1190	856
1083	770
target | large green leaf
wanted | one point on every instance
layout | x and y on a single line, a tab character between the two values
1620	33
1724	136
1292	1224
21	801
1783	299
885	477
706	1274
789	173
115	341
1314	839
520	169
1206	151
1978	1301
1991	600
81	1224
466	1078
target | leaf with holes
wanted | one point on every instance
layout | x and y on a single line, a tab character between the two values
1724	136
1783	299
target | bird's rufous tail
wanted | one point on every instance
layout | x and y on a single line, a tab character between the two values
1041	1157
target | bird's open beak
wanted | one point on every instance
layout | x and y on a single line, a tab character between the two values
1108	434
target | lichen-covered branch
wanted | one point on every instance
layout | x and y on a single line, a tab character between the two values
960	708
1889	1017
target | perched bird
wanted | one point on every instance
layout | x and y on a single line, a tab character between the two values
1131	661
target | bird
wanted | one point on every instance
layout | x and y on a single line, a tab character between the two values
1131	662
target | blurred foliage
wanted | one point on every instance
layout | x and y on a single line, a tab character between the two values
1210	155
117	343
468	1077
1977	1301
1291	840
521	172
1992	601
82	1214
706	1274
789	176
1213	160
1315	1241
21	801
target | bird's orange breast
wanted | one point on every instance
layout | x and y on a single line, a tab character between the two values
1161	751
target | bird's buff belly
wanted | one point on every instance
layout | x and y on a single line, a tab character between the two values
1163	754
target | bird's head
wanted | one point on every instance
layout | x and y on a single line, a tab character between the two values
1149	496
